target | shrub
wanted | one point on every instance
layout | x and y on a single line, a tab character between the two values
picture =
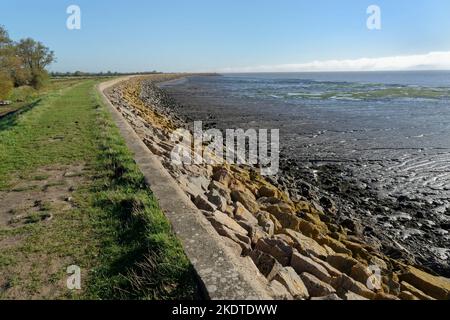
39	79
6	86
21	76
23	94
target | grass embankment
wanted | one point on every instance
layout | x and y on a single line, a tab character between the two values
25	95
71	194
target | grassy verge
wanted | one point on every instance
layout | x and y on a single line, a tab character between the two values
26	95
88	206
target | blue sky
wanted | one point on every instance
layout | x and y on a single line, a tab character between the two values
210	35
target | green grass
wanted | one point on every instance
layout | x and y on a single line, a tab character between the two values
22	97
115	232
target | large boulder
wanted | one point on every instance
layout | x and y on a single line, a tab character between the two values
266	264
284	214
361	251
221	174
302	264
203	204
293	283
304	206
334	244
254	232
279	292
222	189
285	238
311	229
331	297
219	219
242	213
405	286
217	199
385	296
344	283
277	248
268	201
269	223
243	241
353	296
268	192
316	287
360	273
192	186
247	199
305	245
436	287
406	295
331	270
342	262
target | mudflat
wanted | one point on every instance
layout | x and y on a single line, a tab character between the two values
373	144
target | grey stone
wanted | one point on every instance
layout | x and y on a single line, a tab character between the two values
216	198
203	204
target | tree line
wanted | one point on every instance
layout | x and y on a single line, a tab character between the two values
22	63
99	74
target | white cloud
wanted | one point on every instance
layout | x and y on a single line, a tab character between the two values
429	61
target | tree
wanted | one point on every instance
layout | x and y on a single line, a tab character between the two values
34	54
24	62
4	37
5	48
6	55
13	65
35	58
10	63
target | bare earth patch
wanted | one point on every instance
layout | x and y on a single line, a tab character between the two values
35	204
45	188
